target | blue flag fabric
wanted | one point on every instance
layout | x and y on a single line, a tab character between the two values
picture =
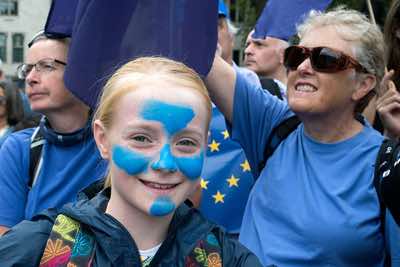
107	34
280	17
226	179
61	17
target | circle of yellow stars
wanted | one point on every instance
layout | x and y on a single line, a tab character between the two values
232	181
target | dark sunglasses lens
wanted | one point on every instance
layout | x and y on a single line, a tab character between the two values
326	60
3	100
294	56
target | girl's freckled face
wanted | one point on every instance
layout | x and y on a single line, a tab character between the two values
157	148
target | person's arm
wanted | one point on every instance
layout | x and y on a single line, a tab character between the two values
220	83
13	188
24	244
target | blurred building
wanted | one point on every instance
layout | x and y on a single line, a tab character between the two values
19	21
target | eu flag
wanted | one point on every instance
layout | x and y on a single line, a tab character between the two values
107	34
226	179
280	17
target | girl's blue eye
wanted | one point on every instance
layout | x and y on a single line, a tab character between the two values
141	138
186	142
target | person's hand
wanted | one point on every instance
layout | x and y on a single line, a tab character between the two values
388	106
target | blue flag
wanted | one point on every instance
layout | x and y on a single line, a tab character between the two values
60	21
280	17
107	34
226	179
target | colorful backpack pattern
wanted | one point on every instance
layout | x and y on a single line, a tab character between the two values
71	245
207	253
68	245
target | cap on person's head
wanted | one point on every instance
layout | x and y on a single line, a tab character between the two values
222	11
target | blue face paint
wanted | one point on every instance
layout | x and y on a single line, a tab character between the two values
166	161
191	166
132	163
162	206
173	117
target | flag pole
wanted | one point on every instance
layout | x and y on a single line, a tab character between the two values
371	12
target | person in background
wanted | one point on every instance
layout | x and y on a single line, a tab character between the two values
151	125
265	58
11	110
67	160
388	102
2	76
226	42
314	202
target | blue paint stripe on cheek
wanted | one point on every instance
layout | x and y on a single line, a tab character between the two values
162	206
132	163
173	117
191	166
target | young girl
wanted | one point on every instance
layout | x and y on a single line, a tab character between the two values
152	125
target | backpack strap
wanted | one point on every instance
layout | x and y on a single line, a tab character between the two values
387	179
278	134
69	244
35	156
271	86
207	252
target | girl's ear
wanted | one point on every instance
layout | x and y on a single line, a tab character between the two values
101	138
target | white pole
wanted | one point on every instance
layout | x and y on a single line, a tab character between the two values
371	12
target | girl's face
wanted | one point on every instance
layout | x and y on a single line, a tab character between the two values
155	145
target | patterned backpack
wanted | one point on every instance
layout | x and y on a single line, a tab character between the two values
70	244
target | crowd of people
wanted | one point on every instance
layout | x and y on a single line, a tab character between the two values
119	185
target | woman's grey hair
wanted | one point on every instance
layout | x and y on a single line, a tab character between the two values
354	27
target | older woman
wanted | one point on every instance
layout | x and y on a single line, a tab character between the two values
314	204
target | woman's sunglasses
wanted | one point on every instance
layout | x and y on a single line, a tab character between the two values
323	59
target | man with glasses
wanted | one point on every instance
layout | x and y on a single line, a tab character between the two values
67	154
314	203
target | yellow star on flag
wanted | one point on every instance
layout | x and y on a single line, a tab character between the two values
218	197
245	166
225	134
233	181
214	146
203	183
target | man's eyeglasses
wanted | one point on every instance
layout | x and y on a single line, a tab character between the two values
44	66
3	100
323	59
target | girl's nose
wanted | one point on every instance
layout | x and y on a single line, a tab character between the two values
166	162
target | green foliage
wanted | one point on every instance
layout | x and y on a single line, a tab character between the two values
354	4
